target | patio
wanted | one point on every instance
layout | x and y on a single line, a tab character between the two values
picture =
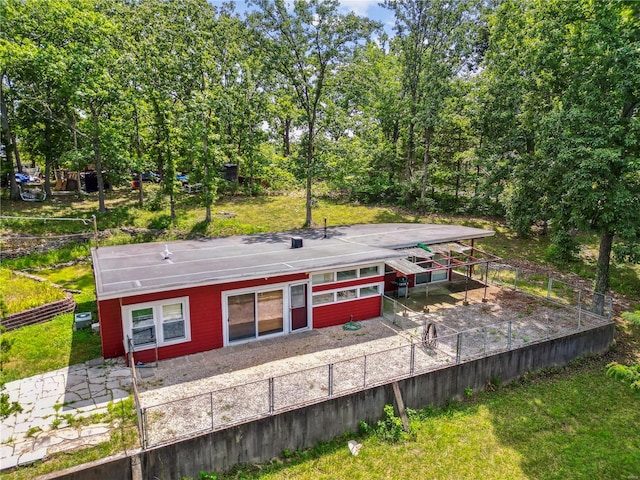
214	389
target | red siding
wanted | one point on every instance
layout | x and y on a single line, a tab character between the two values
205	311
111	328
348	283
342	312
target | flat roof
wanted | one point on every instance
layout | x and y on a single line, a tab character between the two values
126	270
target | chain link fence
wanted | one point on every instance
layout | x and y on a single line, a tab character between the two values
430	346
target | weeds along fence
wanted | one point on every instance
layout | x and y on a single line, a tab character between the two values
428	347
541	286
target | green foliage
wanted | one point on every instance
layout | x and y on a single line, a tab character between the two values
633	317
627	374
563	249
389	429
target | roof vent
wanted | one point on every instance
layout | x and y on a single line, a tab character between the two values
296	242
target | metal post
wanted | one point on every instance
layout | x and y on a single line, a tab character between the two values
579	298
144	429
486	284
395	305
458	347
579	315
364	373
549	287
211	403
412	362
95	227
331	379
515	280
466	286
610	306
484	331
271	395
509	339
426	299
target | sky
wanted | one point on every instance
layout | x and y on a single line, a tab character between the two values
362	8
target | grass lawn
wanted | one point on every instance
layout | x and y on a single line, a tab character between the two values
20	293
573	424
54	344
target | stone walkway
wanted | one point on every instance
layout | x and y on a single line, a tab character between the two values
50	400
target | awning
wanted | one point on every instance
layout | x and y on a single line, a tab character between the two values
417	252
405	266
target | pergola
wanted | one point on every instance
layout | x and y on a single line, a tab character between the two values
443	258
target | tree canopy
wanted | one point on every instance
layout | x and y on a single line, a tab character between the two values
528	109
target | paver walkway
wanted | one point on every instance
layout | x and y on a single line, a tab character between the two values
47	400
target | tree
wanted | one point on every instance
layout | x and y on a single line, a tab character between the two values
436	40
582	85
305	44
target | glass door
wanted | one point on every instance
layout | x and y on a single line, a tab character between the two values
255	314
298	295
242	323
270	317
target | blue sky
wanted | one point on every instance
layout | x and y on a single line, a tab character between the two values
363	8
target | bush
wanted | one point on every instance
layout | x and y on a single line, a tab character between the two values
389	429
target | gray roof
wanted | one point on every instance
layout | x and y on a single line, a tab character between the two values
127	270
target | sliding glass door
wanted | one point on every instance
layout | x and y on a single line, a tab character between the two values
255	314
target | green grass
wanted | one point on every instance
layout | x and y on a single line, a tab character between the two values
577	423
573	424
54	344
19	293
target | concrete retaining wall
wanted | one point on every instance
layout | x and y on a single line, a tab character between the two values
261	440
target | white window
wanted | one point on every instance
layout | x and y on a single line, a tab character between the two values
322	298
321	278
347	275
369	271
163	323
370	291
347	294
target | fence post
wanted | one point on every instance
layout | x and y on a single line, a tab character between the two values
579	314
610	306
395	304
515	280
509	340
211	403
331	379
412	362
484	331
271	396
458	347
364	373
549	287
145	440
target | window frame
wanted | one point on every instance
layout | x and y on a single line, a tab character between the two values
359	295
158	322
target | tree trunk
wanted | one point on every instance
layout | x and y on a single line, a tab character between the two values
308	222
48	160
425	161
97	159
138	156
286	136
207	180
7	140
602	272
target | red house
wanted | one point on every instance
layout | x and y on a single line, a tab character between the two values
186	297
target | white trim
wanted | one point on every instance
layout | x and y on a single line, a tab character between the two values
127	324
346	268
358	296
286	309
